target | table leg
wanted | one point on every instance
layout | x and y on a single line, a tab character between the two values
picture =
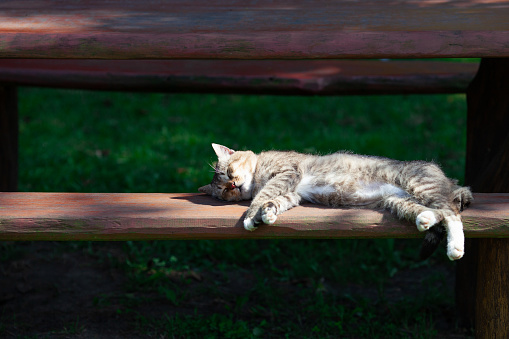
487	171
8	138
492	305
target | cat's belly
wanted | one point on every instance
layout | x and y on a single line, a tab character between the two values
309	190
335	195
375	191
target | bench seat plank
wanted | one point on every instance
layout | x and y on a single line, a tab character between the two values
132	29
300	77
157	216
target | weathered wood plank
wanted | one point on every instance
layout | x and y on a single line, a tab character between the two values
311	77
117	216
133	29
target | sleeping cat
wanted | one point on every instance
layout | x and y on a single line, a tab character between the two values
279	180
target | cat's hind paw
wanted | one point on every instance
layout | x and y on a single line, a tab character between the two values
454	253
425	220
269	215
249	224
455	237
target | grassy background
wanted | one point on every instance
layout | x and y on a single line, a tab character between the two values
80	141
114	142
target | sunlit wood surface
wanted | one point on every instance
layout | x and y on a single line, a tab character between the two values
127	29
137	216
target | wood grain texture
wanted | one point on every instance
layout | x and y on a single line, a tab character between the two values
117	216
300	77
492	307
133	29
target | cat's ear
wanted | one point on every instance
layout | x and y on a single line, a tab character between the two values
222	151
207	189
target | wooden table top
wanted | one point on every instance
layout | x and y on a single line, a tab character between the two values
153	29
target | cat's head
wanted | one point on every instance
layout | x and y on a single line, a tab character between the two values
233	177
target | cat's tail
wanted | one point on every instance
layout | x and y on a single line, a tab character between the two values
432	239
462	198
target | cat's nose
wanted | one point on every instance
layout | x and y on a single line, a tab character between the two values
231	185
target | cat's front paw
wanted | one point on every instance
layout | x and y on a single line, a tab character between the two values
249	224
269	214
425	220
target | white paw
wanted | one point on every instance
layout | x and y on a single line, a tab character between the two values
268	215
249	224
455	253
455	237
425	220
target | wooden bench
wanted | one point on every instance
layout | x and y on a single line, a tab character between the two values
160	216
222	33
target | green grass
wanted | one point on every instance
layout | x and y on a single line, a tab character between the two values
79	141
113	142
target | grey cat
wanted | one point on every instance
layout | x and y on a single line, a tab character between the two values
279	180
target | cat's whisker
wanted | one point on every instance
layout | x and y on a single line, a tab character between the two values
213	167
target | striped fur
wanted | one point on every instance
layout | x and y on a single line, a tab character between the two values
276	181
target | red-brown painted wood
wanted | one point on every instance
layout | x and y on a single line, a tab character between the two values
312	77
117	216
133	29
